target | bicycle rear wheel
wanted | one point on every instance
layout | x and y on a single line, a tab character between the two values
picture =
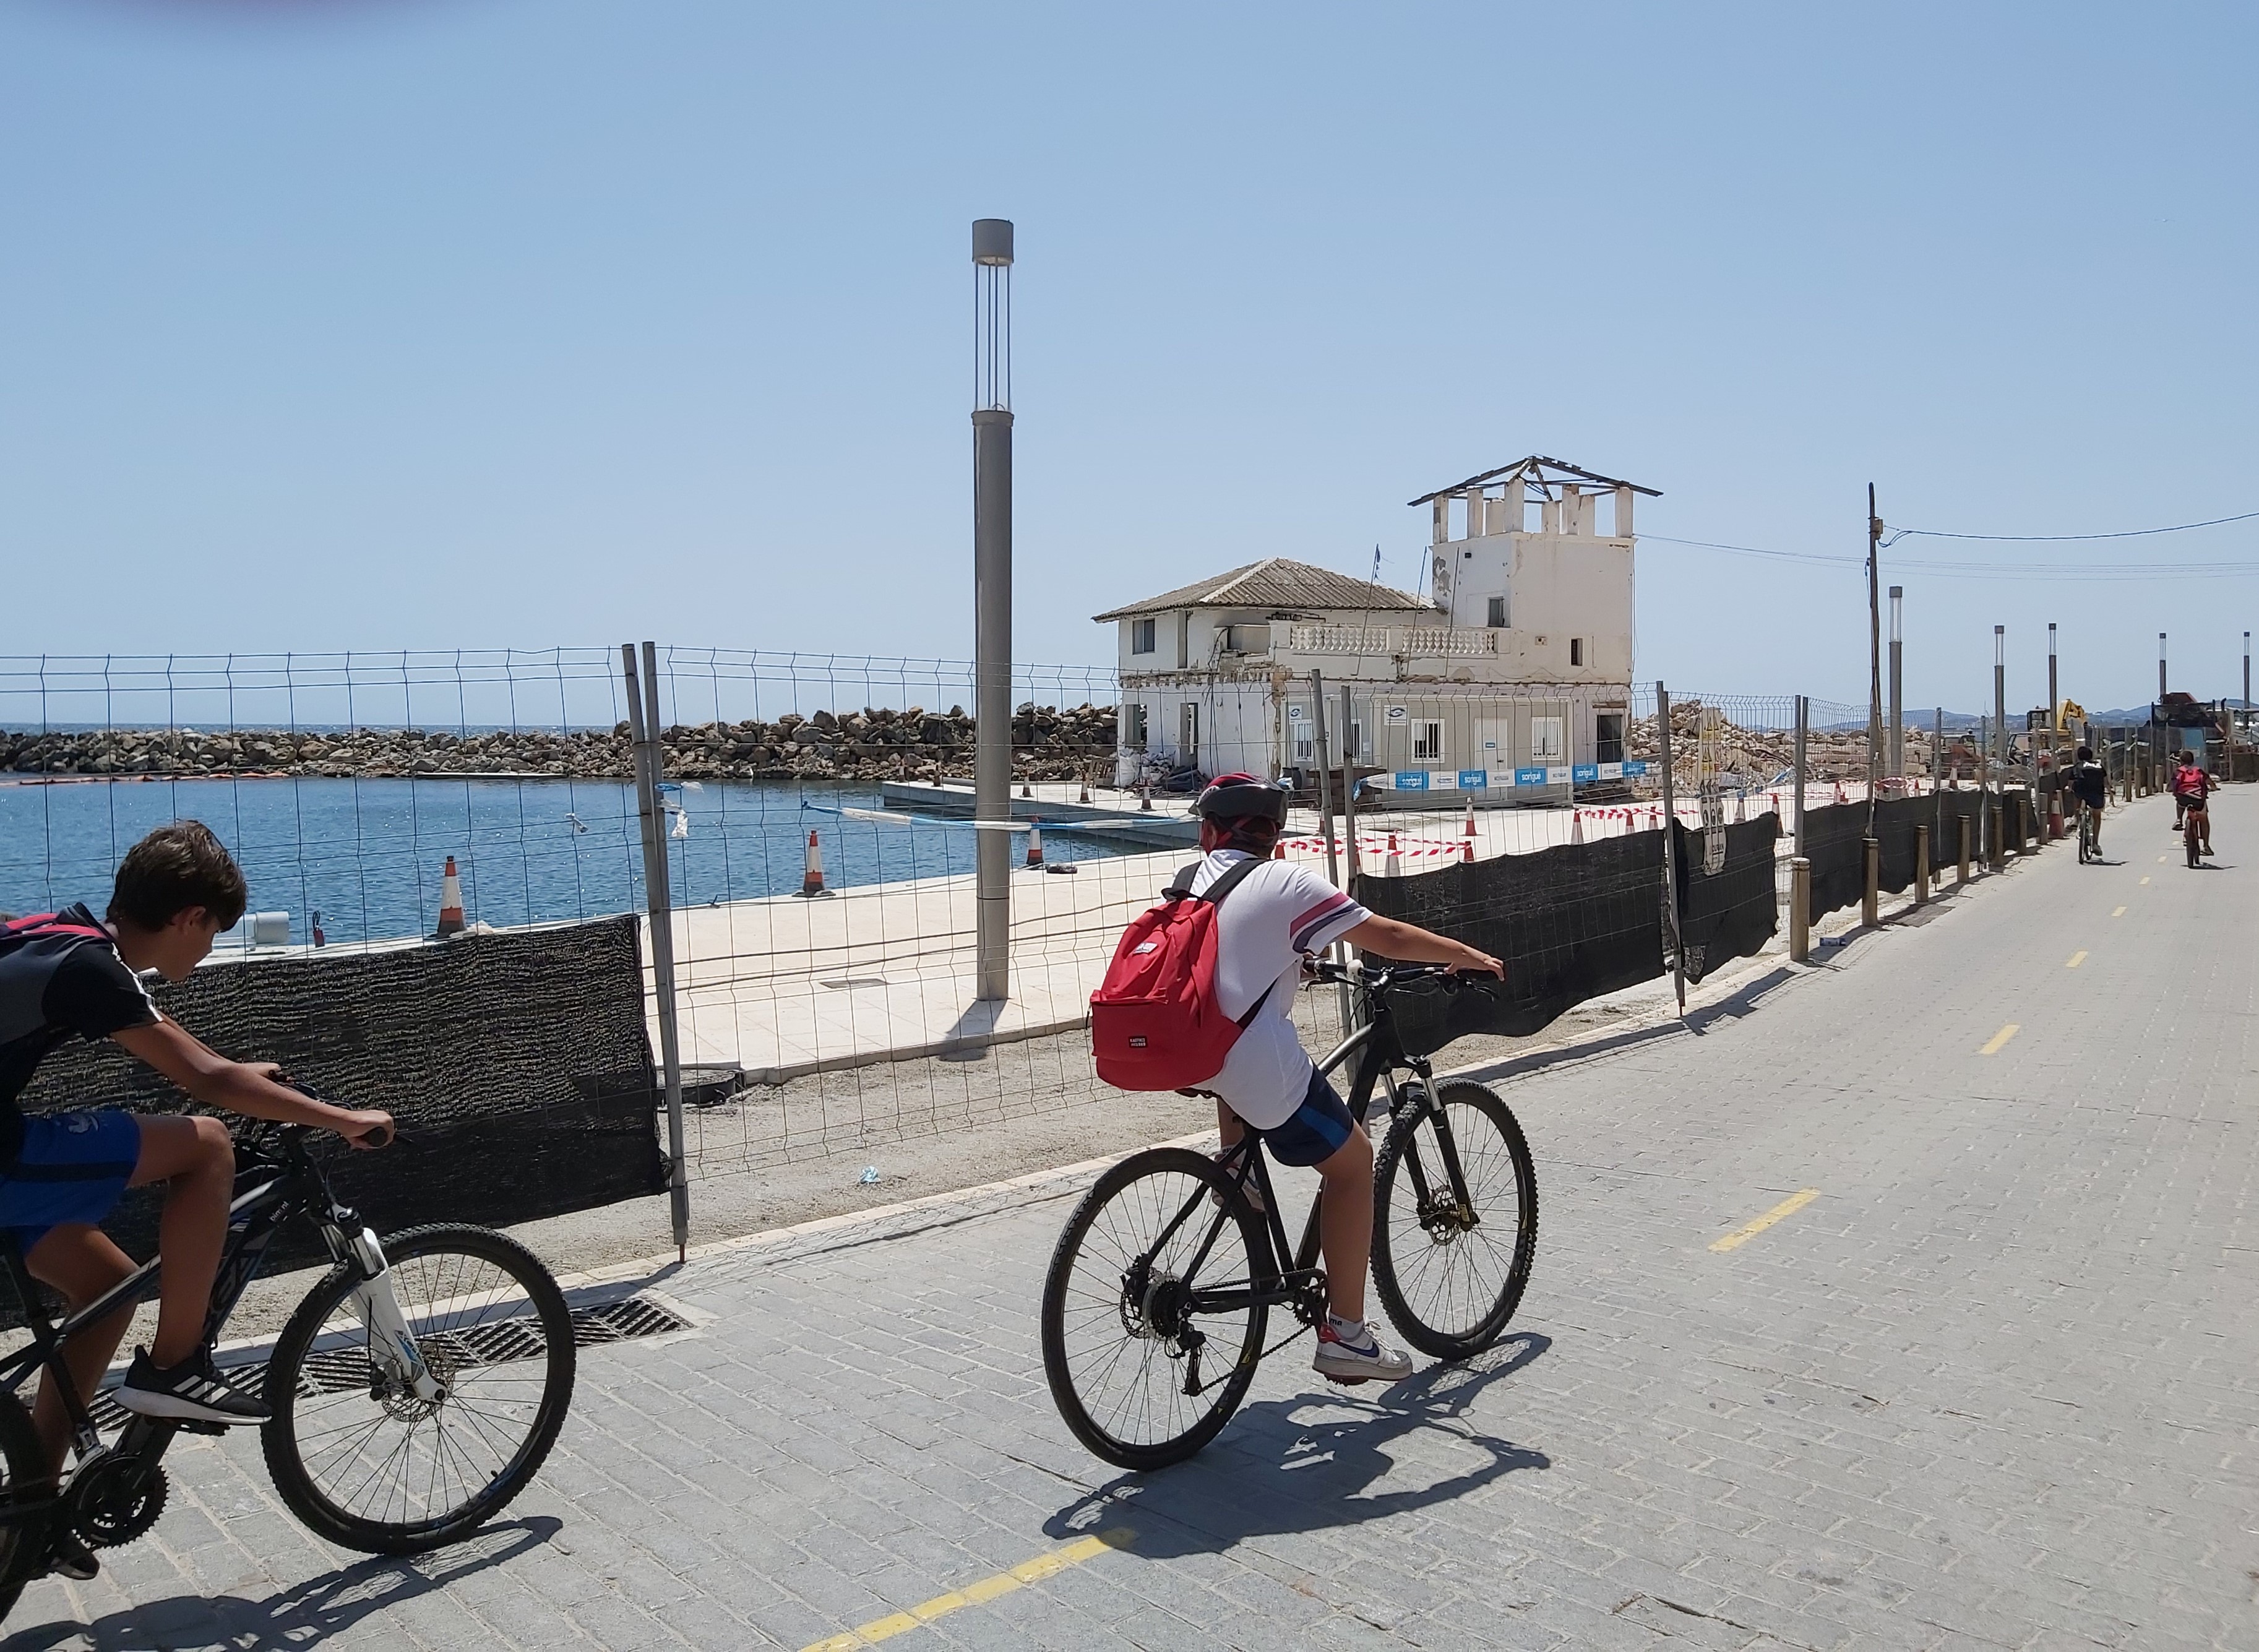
1124	1338
385	1472
1451	1254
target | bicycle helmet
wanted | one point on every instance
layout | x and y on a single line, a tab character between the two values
1236	797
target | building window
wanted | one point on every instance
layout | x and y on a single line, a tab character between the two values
1427	742
1141	637
1133	726
1303	733
1246	639
1497	620
1576	651
1607	743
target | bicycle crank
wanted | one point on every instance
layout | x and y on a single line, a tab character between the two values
116	1500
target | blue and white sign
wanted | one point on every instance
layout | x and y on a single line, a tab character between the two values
1612	771
1529	777
1586	774
1411	780
1634	768
1559	775
1474	779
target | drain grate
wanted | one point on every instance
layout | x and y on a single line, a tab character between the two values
495	1343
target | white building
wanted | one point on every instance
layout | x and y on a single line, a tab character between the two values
1512	681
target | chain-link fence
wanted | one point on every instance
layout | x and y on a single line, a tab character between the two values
817	818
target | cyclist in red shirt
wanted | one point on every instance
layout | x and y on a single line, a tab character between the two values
2191	786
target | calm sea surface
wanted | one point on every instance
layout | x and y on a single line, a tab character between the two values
368	854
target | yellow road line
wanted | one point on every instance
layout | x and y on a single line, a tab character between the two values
1787	1206
2145	880
2120	913
2163	858
1047	1565
2076	959
2002	1036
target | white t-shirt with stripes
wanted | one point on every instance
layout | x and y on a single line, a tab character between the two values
1280	914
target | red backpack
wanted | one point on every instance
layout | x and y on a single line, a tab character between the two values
1154	1022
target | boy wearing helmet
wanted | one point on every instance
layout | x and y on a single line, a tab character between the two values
1278	914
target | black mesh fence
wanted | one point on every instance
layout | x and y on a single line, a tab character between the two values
1832	843
1733	912
517	1065
1570	923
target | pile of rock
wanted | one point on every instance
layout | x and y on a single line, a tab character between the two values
1049	743
1752	758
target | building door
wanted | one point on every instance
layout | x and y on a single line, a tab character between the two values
1188	734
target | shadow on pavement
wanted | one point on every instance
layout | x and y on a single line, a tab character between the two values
304	1615
1269	1473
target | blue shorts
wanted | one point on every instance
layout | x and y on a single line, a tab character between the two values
73	1167
1317	1128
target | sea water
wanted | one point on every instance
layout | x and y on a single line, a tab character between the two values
368	854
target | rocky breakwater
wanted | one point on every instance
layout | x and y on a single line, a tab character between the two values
1049	743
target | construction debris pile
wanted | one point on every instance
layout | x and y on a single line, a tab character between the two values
1754	759
1049	743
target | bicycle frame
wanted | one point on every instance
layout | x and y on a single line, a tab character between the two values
1299	1281
280	1191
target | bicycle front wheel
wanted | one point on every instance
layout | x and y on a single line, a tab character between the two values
1141	1368
1455	1227
378	1470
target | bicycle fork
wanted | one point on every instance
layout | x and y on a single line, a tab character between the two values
377	1305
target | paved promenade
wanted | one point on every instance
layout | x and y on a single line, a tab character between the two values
1987	1380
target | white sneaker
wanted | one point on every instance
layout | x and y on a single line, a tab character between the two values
1358	1357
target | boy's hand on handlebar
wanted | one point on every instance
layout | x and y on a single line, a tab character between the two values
1476	963
367	1130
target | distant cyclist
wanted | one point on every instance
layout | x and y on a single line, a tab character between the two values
1282	913
2089	784
2191	786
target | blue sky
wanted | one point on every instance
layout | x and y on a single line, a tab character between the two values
441	322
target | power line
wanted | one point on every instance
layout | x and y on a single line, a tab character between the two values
2057	538
2092	572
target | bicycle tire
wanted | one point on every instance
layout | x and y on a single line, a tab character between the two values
22	1464
1121	1185
459	1335
1487	1315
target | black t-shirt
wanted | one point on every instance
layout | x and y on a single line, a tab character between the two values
2089	784
51	987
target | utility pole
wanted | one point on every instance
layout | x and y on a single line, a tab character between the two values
1898	682
1874	655
991	606
2054	699
2000	699
2161	665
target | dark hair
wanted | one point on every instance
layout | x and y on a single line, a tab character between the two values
2086	754
171	869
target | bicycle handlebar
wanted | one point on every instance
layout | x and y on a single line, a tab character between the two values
1385	976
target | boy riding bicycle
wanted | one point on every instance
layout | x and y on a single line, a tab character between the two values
2191	786
2089	785
1280	914
67	972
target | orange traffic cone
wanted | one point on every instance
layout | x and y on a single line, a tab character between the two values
1035	843
1278	850
450	901
811	881
1577	826
1467	845
1471	818
1839	792
1390	866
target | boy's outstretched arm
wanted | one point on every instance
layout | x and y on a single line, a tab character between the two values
1415	945
247	1087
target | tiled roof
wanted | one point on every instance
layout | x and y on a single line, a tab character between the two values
1277	583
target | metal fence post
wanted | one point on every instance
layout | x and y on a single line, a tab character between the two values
1921	866
1870	858
1803	729
1961	876
992	611
642	730
1324	748
1671	845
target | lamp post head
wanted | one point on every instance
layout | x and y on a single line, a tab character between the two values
992	241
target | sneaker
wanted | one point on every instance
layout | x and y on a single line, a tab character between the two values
1353	1354
68	1556
2205	850
190	1391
